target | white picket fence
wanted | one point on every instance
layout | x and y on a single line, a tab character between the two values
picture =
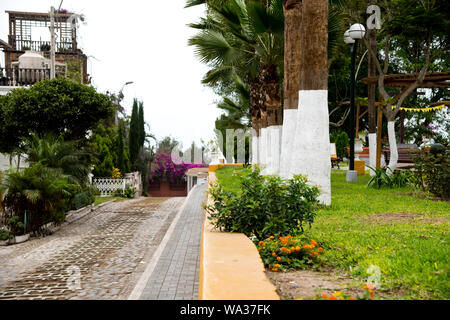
108	186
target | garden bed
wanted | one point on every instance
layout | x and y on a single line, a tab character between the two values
407	237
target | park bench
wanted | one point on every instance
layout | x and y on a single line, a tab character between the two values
405	158
333	156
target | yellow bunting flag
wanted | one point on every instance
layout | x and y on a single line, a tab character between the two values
421	109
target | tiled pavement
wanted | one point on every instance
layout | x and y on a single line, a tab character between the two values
176	273
109	248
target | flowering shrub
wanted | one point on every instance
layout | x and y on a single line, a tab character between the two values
288	253
340	295
116	173
167	169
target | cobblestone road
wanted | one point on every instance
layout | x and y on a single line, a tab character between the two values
109	248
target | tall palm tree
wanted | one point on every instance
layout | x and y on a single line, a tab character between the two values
311	142
244	38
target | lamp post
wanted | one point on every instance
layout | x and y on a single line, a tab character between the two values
119	98
351	37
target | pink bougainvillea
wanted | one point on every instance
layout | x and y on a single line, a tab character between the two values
164	168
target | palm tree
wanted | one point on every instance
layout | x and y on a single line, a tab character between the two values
63	156
245	38
38	190
311	142
293	48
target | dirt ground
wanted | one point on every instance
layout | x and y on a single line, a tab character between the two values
306	284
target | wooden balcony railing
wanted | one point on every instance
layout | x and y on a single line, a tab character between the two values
25	77
43	46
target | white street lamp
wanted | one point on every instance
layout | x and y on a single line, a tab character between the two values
347	38
357	31
351	37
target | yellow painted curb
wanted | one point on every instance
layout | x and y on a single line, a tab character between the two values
230	266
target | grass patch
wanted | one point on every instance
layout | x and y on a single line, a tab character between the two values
404	236
100	200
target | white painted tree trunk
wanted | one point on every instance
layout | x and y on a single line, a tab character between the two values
393	147
267	164
255	148
287	142
274	134
263	147
313	139
372	152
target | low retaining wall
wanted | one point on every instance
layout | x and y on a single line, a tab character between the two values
164	189
230	266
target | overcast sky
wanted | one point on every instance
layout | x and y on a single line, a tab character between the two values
144	42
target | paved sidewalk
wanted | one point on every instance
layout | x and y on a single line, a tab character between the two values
176	274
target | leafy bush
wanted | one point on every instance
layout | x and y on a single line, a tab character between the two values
82	199
266	205
398	179
16	225
42	192
433	172
288	253
59	105
5	235
128	192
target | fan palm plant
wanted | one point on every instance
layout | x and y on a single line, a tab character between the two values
62	156
41	192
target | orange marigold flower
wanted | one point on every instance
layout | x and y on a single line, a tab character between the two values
277	266
351	298
292	248
332	298
324	296
261	243
278	258
314	242
370	286
305	246
274	254
297	248
372	295
274	269
271	237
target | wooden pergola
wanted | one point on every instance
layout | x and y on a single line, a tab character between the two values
432	80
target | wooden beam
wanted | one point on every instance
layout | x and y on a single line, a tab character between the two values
379	129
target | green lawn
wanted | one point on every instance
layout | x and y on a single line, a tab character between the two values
406	237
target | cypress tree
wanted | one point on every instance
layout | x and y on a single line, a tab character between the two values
121	156
134	134
141	125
